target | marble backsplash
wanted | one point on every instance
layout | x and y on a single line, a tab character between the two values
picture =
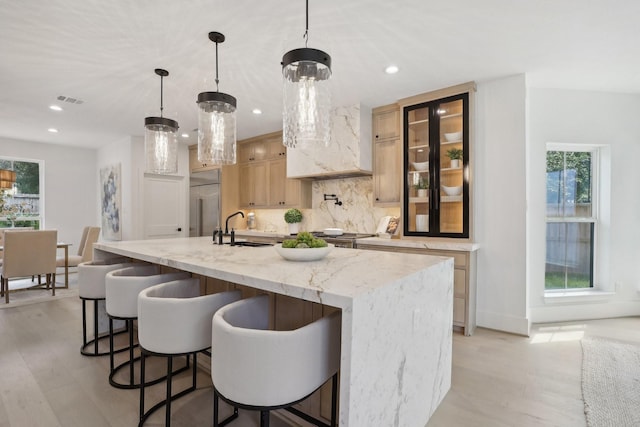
356	214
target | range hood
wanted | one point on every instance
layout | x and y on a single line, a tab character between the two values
348	155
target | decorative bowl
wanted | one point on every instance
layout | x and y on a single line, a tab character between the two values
453	136
303	254
333	231
420	166
452	191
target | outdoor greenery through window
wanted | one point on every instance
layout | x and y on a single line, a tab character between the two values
571	219
20	205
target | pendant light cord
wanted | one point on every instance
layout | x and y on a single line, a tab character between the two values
161	96
306	28
217	89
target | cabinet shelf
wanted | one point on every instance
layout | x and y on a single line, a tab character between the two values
418	200
418	122
450	199
451	142
450	116
417	147
450	170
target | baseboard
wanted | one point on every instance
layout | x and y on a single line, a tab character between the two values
504	323
567	313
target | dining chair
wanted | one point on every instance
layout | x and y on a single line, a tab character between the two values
28	253
85	248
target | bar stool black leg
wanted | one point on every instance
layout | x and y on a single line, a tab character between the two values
168	407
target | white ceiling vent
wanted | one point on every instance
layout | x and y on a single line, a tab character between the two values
70	100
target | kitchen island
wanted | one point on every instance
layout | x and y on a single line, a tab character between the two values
395	364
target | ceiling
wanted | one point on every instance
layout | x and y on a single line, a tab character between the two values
104	53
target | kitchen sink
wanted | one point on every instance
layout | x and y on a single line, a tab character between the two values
252	244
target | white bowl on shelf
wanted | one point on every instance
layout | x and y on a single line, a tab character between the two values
303	254
452	191
420	166
333	231
453	136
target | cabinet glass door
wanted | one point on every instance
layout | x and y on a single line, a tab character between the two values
436	187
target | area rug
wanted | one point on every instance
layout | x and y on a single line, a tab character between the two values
21	295
611	382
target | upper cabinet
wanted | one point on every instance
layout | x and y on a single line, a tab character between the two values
387	156
436	162
263	181
196	165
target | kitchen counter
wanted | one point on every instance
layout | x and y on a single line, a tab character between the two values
421	244
396	315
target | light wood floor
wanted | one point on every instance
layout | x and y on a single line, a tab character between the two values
498	379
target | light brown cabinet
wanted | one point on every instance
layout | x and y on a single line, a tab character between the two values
263	181
387	156
194	164
464	281
386	122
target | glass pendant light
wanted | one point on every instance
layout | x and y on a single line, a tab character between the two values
161	139
216	122
7	178
306	117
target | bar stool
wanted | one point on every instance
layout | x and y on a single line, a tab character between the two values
259	369
91	287
122	289
175	320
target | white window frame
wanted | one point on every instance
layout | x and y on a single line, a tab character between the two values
41	215
599	180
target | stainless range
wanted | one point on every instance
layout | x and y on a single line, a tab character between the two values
345	240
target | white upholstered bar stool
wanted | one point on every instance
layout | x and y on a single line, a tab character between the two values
91	287
175	320
122	289
255	368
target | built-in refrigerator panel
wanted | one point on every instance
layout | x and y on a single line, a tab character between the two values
204	203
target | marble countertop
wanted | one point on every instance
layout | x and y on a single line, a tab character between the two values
400	243
336	280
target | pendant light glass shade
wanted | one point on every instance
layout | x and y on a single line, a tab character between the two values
160	145
161	139
306	119
216	122
216	128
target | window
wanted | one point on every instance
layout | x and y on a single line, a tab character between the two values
20	205
571	217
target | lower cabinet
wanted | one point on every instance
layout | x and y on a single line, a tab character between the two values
464	281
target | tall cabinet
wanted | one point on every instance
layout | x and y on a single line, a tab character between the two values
436	159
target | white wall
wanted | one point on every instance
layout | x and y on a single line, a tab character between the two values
500	204
69	185
129	152
580	117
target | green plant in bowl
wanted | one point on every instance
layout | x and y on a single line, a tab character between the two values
304	239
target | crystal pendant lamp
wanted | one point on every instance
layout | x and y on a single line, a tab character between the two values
216	122
306	111
161	139
7	178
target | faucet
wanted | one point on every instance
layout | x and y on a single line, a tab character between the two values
226	224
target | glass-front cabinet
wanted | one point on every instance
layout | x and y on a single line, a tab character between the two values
436	165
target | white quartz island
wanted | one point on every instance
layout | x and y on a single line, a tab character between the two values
396	315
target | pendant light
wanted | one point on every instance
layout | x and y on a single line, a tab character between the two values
306	117
216	122
7	178
161	139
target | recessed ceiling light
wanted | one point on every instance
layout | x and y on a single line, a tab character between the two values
185	135
256	111
55	107
391	69
53	130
